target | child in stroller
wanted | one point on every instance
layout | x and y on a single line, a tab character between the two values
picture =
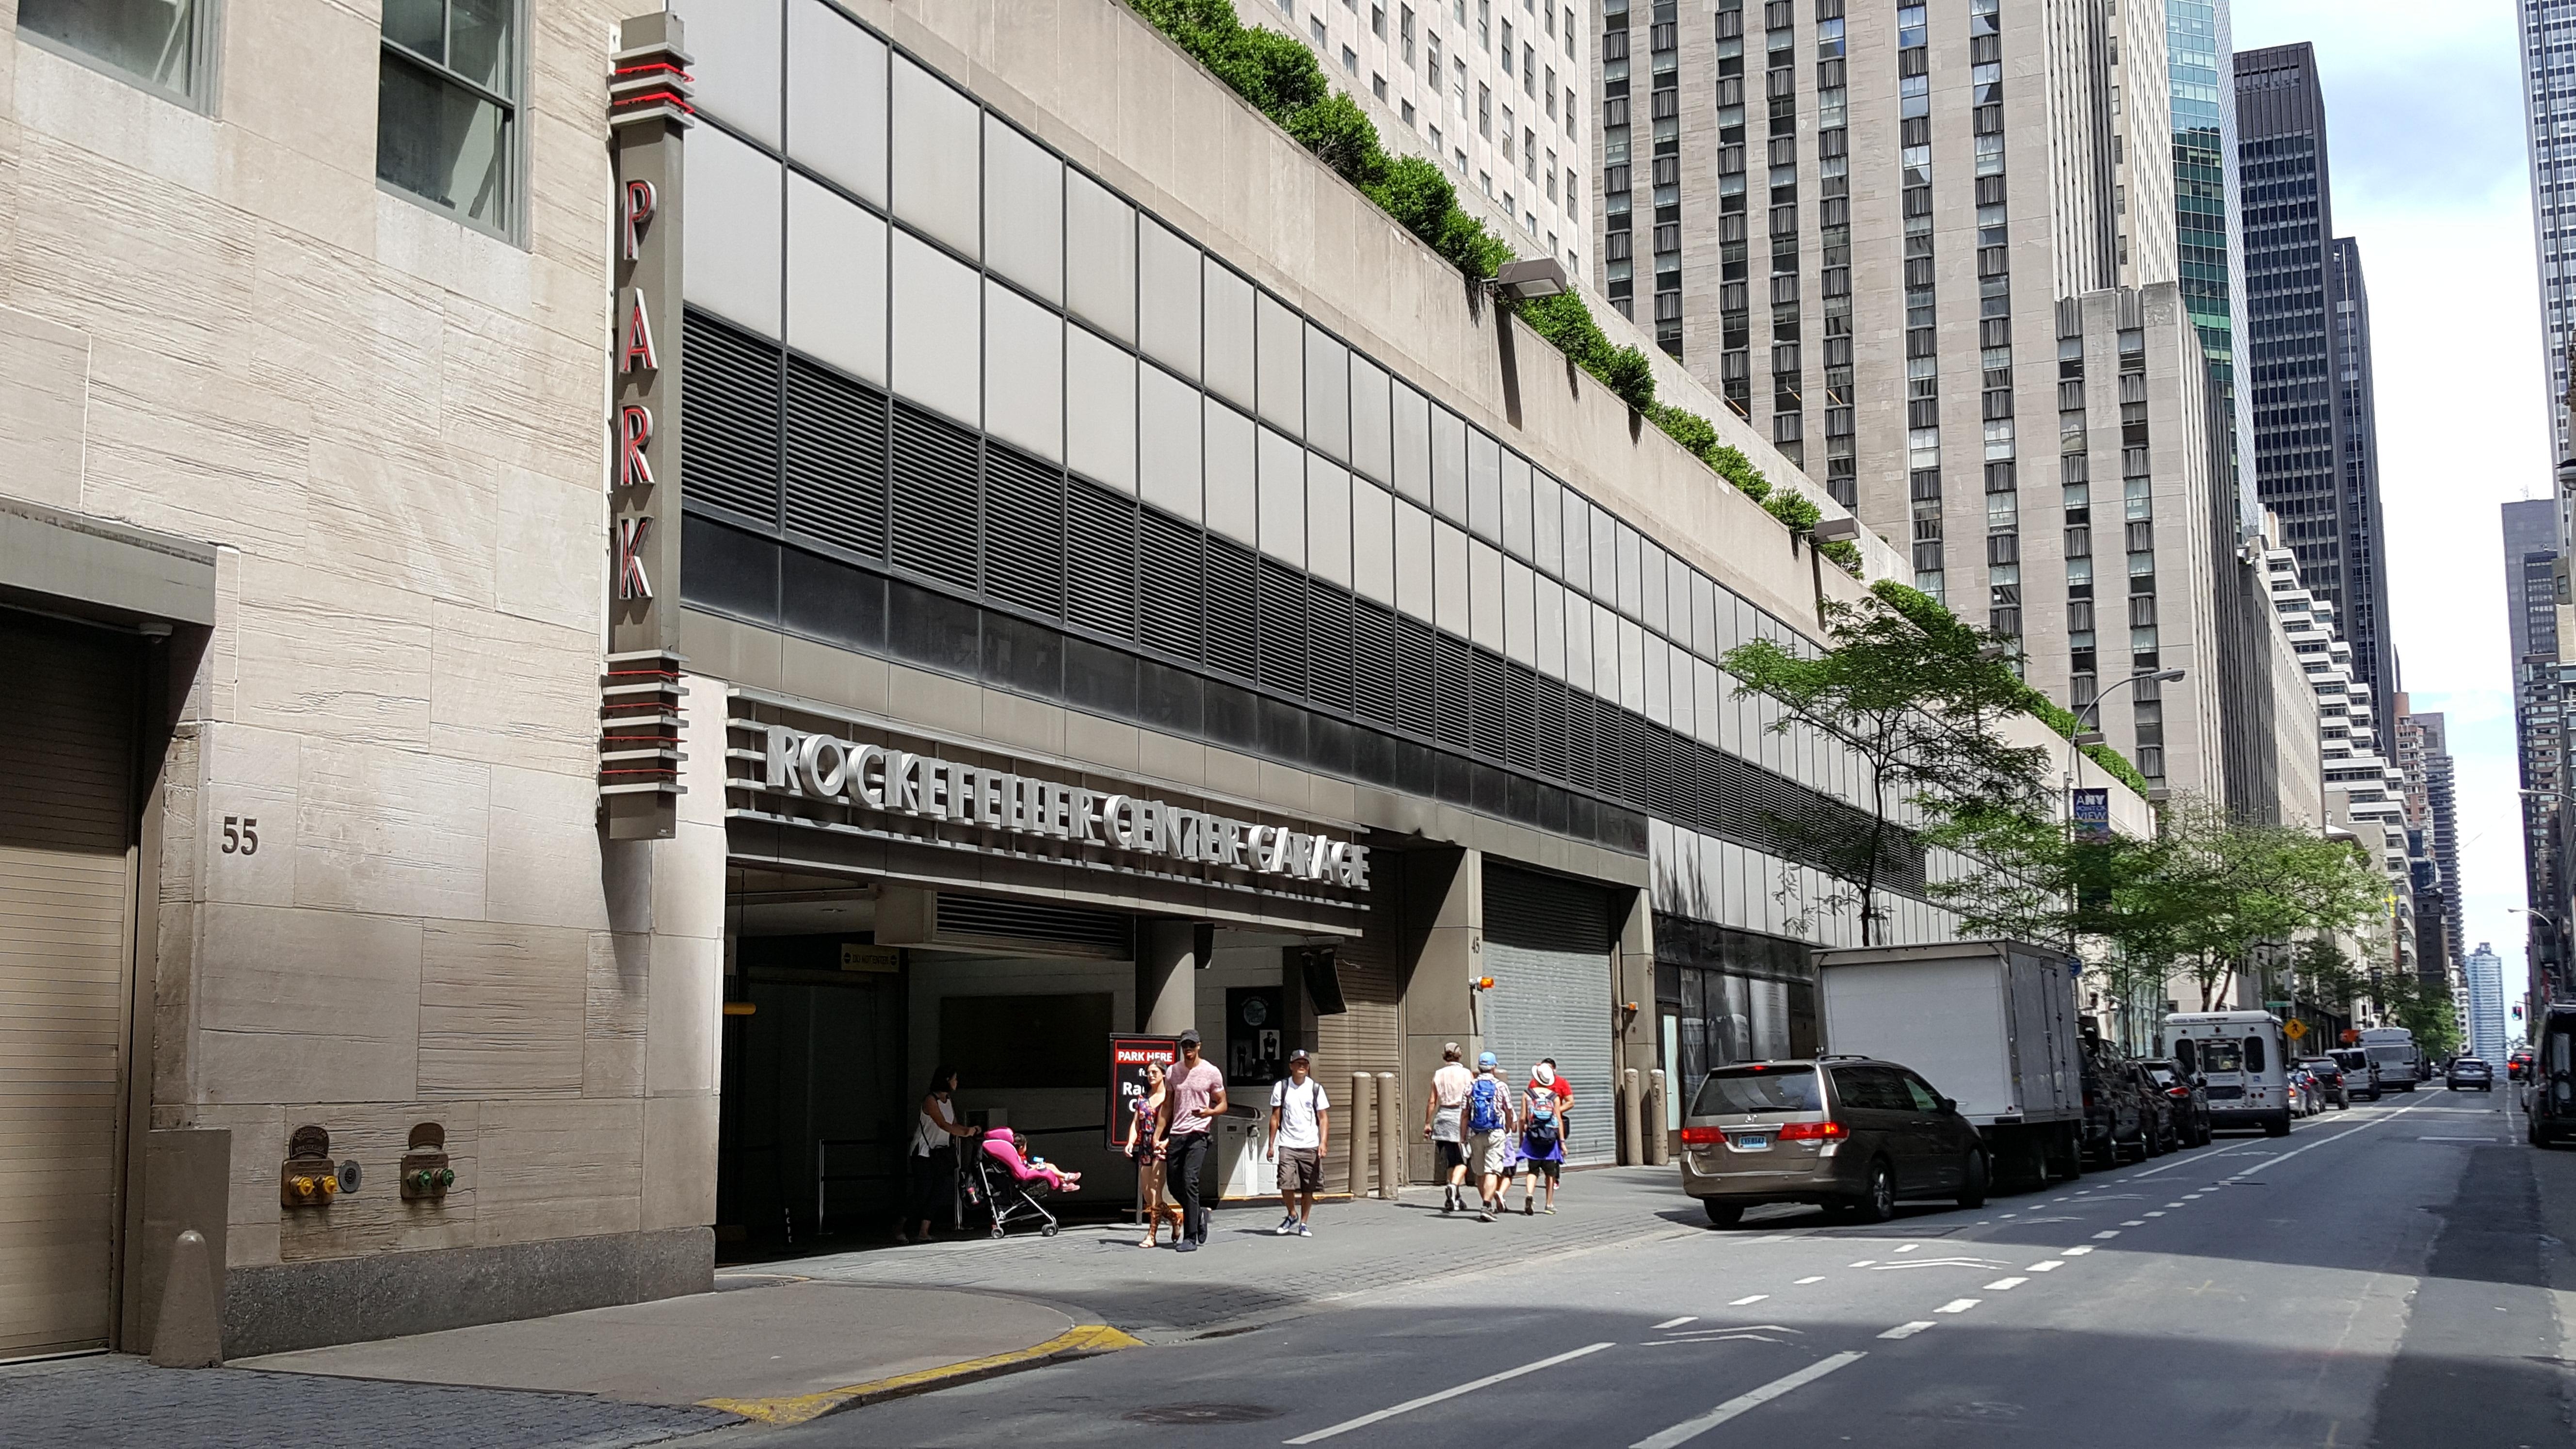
1012	1183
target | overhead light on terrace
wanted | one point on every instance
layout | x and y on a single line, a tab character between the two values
2089	737
1838	530
1530	280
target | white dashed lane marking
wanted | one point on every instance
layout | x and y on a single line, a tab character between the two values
1677	1322
1958	1305
2001	1285
1747	1298
1908	1330
2076	1252
1803	1282
2108	1233
2050	1266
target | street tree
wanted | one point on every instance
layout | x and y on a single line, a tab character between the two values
1919	697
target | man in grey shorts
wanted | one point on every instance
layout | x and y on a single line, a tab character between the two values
1299	1128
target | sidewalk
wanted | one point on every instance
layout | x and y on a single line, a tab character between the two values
792	1340
762	1348
1245	1275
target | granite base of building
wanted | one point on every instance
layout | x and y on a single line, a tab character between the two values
275	1308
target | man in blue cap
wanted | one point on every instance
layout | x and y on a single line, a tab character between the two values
1489	1127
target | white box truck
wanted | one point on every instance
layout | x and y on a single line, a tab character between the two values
2392	1049
1991	1024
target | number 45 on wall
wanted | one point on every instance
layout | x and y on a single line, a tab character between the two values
241	835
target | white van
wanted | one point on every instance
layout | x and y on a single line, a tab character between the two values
2245	1061
2392	1049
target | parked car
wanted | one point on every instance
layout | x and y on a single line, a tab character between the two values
2114	1114
2189	1096
2160	1131
1852	1134
2303	1092
2549	1100
2360	1073
2331	1086
2469	1072
2518	1066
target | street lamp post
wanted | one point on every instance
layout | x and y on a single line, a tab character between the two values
2082	737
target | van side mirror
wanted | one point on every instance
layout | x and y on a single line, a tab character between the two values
1949	1104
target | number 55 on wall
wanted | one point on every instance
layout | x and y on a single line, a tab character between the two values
241	835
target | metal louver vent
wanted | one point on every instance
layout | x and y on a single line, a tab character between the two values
1374	668
1520	715
1100	559
1168	599
1283	627
1549	721
836	459
729	422
1023	531
936	514
1485	689
1058	929
1328	640
1582	742
1233	607
1453	689
1415	692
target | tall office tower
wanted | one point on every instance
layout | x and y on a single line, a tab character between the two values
2484	972
2442	798
1887	305
2142	131
1496	91
2298	347
2208	206
2549	108
2531	553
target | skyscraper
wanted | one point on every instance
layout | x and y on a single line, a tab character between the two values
1922	304
2549	108
2307	327
2531	552
2208	205
2483	972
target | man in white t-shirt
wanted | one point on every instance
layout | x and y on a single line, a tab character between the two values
1299	1129
1449	1087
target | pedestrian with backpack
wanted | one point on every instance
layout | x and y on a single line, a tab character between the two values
1300	1133
1489	1125
1542	1134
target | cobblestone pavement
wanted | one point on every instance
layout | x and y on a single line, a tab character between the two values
1245	1272
113	1399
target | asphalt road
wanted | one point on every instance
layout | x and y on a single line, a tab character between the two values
2396	1275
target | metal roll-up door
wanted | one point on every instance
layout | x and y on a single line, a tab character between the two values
1548	947
66	902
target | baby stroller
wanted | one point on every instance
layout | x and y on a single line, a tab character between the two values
999	1176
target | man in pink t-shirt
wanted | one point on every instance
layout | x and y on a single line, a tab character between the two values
1197	1094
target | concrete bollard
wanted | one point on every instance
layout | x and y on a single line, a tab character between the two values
190	1333
1390	1137
1355	1133
1658	1128
1632	1142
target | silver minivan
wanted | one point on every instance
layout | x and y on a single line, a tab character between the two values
1850	1133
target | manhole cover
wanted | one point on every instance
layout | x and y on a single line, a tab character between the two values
1203	1414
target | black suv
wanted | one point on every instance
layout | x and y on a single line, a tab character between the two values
2189	1099
2115	1119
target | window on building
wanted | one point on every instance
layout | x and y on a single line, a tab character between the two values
447	115
1377	87
1433	69
161	45
1315	25
1377	21
1350	60
1485	111
1404	32
1405	110
1551	93
1529	70
1461	72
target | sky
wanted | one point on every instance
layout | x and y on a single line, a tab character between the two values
2428	160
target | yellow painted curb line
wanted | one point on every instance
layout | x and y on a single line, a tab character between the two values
1080	1341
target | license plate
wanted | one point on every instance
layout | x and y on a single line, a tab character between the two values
1755	1142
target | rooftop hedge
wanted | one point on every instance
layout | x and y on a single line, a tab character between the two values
1282	79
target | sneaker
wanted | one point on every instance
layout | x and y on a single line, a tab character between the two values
1550	1210
1527	1207
1287	1228
1186	1245
1449	1201
1484	1217
1304	1231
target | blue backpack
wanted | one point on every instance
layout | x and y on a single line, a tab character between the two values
1485	1105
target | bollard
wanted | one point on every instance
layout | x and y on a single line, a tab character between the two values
1390	1137
1658	1140
1632	1142
1355	1136
190	1333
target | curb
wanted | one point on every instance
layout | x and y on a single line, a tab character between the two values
1080	1341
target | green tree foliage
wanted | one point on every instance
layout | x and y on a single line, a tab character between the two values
2203	898
2423	1008
1921	707
1280	77
1923	608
